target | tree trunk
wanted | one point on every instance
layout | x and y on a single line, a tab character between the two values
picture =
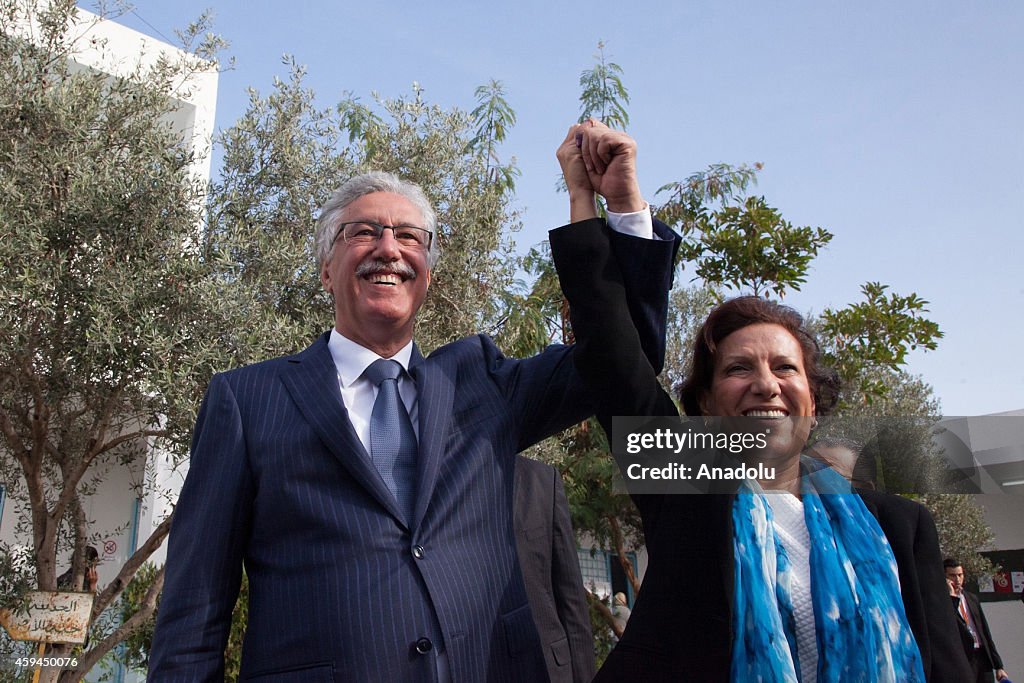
620	551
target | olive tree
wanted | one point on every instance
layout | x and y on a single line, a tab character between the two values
109	325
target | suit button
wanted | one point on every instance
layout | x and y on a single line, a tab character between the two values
417	552
423	646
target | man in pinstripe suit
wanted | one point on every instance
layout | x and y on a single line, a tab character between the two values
346	582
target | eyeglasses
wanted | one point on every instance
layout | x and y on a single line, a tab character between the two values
368	232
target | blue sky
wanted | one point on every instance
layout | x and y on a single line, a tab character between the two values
897	126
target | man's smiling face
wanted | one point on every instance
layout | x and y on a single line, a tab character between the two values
377	287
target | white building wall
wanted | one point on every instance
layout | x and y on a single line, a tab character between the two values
997	444
110	48
1005	515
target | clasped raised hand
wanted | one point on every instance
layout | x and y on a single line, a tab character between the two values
595	158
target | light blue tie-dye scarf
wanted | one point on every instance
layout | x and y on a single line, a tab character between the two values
862	629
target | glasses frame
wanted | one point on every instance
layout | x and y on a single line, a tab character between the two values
379	229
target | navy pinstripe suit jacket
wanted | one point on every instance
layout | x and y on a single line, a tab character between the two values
341	587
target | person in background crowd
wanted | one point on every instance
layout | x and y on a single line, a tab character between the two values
551	571
975	635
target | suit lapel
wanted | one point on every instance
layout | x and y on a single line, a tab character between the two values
311	379
435	394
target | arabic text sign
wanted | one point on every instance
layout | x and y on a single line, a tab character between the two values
51	618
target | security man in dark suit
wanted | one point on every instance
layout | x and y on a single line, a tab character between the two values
977	639
551	571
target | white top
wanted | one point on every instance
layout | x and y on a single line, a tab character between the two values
788	511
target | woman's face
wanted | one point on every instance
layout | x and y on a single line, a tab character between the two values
759	374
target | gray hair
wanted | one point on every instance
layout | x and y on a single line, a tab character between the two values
364	184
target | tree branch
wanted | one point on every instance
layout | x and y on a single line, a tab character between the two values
127	573
620	550
72	480
597	603
14	442
98	651
102	423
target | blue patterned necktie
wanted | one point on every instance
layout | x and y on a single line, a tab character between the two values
392	440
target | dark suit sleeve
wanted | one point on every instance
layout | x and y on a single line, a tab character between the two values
610	344
546	390
567	586
618	367
942	649
646	284
211	524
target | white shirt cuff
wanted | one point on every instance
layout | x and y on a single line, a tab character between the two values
635	223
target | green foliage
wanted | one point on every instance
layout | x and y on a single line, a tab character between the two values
876	334
109	325
135	648
604	637
493	118
283	159
895	430
603	94
962	531
100	210
737	241
688	306
691	200
236	636
10	651
430	146
533	316
752	247
280	164
17	572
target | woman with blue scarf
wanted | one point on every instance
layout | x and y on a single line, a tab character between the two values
797	585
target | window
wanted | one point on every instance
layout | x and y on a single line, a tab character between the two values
603	574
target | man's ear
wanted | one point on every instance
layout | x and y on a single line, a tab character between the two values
325	276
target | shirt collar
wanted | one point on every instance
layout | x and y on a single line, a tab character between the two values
351	359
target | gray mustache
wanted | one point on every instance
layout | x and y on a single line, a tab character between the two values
377	266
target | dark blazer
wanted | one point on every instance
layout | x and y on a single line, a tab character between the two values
341	586
990	656
551	571
682	623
